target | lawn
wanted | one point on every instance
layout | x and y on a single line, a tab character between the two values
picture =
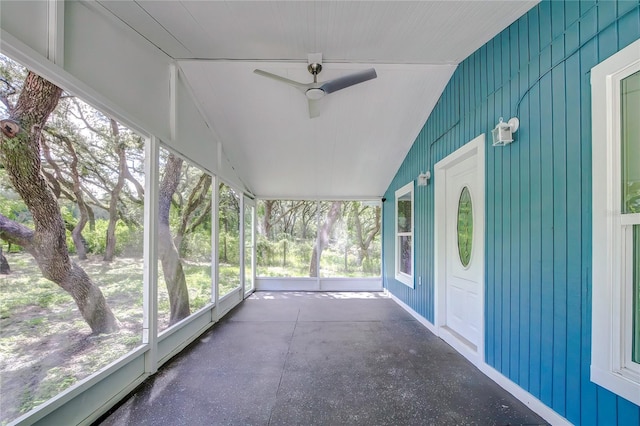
45	345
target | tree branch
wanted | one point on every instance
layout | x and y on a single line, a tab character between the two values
16	233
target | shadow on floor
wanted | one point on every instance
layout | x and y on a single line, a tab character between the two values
297	358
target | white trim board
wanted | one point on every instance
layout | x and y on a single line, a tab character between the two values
422	320
504	382
475	148
317	284
611	322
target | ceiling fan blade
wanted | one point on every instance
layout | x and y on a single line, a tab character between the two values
314	108
293	83
340	83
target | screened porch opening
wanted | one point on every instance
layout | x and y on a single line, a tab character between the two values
162	248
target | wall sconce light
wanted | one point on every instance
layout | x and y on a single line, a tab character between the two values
423	178
503	132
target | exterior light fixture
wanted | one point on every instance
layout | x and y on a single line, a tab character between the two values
503	132
423	178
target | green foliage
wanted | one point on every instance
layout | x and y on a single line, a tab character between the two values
128	240
632	197
303	251
372	266
197	245
198	279
229	246
288	248
265	250
66	211
229	278
14	209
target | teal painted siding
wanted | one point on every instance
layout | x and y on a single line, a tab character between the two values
538	198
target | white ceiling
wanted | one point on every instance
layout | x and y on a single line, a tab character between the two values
355	146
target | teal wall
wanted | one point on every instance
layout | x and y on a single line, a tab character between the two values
538	198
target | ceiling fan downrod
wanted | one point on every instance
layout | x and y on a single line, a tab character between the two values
315	69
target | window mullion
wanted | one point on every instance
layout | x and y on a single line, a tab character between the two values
630	219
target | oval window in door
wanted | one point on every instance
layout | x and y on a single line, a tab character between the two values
465	226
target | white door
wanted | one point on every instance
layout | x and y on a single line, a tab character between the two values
459	245
463	287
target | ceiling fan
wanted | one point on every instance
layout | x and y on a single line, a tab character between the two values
317	90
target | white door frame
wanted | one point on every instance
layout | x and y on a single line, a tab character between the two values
473	148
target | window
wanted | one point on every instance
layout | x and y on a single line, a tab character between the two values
404	234
465	227
616	223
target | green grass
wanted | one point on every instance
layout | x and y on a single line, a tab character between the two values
331	265
46	346
56	380
229	278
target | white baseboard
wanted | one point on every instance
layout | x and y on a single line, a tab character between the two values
525	397
422	320
503	381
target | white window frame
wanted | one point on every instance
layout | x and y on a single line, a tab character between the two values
611	365
407	279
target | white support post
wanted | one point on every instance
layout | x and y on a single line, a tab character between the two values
253	245
55	32
215	275
150	295
318	225
241	248
173	101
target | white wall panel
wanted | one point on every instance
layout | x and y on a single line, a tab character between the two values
27	21
118	64
193	137
229	175
125	71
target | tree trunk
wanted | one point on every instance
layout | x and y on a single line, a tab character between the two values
323	236
4	264
76	234
110	245
169	258
266	221
224	259
362	241
46	243
284	253
74	186
92	219
197	198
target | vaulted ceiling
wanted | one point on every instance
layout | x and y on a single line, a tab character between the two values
363	132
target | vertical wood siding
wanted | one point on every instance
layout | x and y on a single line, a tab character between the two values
538	198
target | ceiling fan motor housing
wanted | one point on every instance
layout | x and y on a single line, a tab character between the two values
314	94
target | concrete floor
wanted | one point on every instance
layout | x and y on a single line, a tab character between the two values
296	358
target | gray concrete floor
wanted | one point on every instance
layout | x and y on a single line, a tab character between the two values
296	358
